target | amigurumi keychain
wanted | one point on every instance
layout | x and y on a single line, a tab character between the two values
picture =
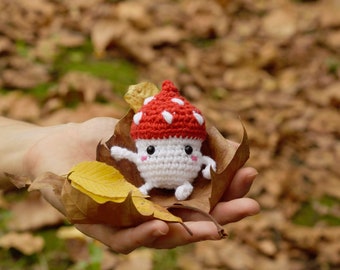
168	132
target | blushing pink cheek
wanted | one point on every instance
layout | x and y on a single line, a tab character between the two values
194	158
143	158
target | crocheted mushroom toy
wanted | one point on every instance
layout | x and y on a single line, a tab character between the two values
168	132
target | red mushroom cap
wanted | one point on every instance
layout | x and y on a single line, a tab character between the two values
168	115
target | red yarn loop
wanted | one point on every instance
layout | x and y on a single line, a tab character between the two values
168	115
168	86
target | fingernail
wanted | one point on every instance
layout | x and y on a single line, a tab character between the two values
159	233
252	176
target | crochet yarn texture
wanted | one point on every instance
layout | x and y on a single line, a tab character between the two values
168	132
168	115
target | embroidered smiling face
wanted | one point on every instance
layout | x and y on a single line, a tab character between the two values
168	163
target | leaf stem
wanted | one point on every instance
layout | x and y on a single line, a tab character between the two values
219	228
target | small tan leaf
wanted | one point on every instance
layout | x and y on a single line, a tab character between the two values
136	94
18	181
46	181
70	232
33	213
24	242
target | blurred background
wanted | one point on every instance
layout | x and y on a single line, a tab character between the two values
275	64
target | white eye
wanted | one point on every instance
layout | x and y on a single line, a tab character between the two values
137	117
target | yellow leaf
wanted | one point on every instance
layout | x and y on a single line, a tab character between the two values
137	93
97	198
98	193
101	182
146	208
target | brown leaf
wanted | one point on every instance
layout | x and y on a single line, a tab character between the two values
79	201
82	113
83	87
80	208
141	259
18	181
33	213
71	198
25	75
38	6
3	203
24	242
280	24
138	15
164	35
121	137
13	103
76	243
46	181
222	150
104	31
6	45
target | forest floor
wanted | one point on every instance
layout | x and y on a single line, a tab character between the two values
273	64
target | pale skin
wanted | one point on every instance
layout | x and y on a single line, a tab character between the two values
30	150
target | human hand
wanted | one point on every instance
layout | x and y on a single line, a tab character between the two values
67	145
159	234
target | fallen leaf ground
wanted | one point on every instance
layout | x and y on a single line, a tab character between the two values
274	64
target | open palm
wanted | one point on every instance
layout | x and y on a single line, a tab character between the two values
69	144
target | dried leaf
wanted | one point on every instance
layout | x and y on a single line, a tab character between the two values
164	35
226	168
280	24
11	105
83	87
3	203
76	243
18	181
33	213
137	93
24	242
121	138
25	77
98	193
104	31
70	232
141	259
101	182
46	181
